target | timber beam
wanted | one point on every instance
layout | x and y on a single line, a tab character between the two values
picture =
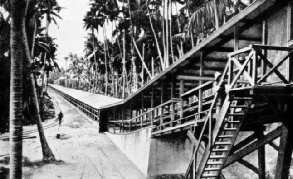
248	165
196	78
253	146
284	154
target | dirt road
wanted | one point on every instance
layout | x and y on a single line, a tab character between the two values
83	152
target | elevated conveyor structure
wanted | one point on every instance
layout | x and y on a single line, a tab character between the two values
253	93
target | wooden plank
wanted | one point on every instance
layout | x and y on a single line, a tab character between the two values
284	154
261	158
181	99
248	165
195	78
243	50
243	143
253	146
269	47
274	145
190	92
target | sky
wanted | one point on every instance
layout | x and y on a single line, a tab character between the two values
70	34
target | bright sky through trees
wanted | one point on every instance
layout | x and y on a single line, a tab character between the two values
70	35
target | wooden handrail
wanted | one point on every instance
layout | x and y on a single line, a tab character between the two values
203	86
269	47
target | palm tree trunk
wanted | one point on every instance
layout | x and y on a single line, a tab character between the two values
16	86
167	31
47	153
105	54
123	67
156	39
163	34
171	44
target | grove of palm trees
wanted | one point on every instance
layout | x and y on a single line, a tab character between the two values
129	43
147	36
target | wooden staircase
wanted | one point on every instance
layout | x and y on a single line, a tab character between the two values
227	126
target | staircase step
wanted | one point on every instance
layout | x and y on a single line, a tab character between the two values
214	163
220	150
217	156
226	136
232	121
230	129
222	143
212	169
209	175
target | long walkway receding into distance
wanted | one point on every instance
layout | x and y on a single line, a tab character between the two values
83	151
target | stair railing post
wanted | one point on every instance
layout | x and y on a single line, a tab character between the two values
254	67
152	105
181	100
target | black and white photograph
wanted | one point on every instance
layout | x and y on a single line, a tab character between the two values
146	89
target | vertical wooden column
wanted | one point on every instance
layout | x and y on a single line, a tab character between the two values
181	99
162	107
114	119
123	118
264	42
236	47
200	92
284	154
142	109
173	84
261	158
130	108
152	105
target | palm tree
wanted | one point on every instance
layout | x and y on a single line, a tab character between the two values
4	71
16	88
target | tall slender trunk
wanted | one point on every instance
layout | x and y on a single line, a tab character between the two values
16	88
47	152
105	55
171	44
180	51
156	39
123	66
163	34
34	38
167	31
95	60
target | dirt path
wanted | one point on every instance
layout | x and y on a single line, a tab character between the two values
83	151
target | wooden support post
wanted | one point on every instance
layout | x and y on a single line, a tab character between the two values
261	158
114	119
248	165
253	146
162	107
200	92
254	68
142	109
181	99
152	105
173	84
236	47
264	42
123	118
284	154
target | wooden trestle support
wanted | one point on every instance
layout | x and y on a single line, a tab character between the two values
249	103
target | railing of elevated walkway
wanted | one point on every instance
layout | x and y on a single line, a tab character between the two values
198	106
